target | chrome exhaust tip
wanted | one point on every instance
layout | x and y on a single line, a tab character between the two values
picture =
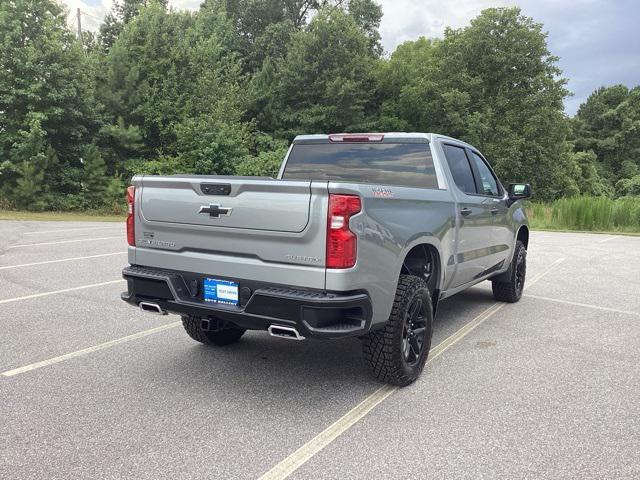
281	331
152	308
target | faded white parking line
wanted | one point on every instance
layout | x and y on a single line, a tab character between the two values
534	280
319	442
55	292
607	239
7	267
72	229
298	458
85	351
64	241
585	305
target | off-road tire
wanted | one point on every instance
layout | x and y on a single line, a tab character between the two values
511	290
383	348
191	324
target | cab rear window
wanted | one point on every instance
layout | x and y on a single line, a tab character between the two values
402	164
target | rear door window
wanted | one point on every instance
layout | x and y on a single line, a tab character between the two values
402	164
460	168
488	183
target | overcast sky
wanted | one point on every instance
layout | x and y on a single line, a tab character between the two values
598	41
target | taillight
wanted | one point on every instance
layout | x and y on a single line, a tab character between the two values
341	242
131	224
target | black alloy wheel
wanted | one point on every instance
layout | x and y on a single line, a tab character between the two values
521	270
508	287
397	353
415	331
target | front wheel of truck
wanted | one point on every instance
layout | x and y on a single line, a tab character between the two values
397	353
193	326
510	289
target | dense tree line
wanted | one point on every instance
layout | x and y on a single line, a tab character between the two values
223	90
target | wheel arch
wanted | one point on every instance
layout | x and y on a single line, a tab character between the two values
422	258
523	235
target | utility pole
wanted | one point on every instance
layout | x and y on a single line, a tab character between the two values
78	17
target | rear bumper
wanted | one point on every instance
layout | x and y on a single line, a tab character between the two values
313	313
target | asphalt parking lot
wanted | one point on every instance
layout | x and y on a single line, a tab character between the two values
92	388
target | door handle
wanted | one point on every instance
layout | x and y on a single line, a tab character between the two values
494	210
465	211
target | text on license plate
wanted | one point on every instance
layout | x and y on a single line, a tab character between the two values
220	291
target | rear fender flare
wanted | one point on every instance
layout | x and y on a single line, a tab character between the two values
431	241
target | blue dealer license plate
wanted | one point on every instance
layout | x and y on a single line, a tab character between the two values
220	291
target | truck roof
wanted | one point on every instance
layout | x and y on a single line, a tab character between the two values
411	136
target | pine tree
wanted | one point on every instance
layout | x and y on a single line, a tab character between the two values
94	178
30	156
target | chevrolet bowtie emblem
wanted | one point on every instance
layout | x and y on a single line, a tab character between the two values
215	211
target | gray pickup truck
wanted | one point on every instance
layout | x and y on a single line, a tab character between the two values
359	235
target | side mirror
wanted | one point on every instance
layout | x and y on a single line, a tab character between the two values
519	191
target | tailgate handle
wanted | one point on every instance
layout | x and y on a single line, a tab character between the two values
215	188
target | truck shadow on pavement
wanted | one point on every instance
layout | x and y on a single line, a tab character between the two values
263	365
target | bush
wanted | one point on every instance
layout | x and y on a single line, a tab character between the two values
588	213
628	186
265	164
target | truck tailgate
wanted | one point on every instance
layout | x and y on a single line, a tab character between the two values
261	229
265	204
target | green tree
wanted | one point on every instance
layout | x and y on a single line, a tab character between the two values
268	157
109	30
255	29
145	76
403	82
494	84
45	93
119	143
589	180
30	160
326	82
367	15
121	13
224	89
628	187
94	179
172	79
210	145
514	98
608	124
